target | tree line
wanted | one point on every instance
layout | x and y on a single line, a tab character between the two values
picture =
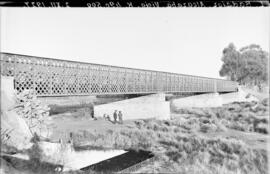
247	66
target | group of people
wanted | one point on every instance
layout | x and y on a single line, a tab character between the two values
116	115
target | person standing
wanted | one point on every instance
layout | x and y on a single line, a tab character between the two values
115	116
92	113
120	117
108	118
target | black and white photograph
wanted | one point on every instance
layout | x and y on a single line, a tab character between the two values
181	90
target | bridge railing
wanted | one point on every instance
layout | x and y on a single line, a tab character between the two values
54	77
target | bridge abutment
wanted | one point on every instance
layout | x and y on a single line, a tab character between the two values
212	99
150	106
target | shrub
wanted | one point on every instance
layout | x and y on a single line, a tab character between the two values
194	111
265	102
261	128
139	123
206	128
237	126
33	112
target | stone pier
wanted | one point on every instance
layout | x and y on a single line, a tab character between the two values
203	100
150	106
213	99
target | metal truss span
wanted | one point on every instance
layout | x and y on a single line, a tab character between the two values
53	77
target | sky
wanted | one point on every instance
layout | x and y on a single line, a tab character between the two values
179	40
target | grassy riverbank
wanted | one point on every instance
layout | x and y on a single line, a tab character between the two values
229	139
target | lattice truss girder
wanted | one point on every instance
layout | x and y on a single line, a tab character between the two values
53	77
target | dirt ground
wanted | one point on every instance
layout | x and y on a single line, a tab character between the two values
64	124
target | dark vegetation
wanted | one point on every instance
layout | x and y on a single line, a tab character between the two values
248	65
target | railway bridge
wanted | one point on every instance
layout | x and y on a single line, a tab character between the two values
55	77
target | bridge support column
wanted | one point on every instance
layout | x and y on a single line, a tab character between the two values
150	106
203	100
240	96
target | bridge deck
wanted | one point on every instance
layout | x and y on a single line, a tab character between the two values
54	77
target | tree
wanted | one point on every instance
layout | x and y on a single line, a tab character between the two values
246	66
231	59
